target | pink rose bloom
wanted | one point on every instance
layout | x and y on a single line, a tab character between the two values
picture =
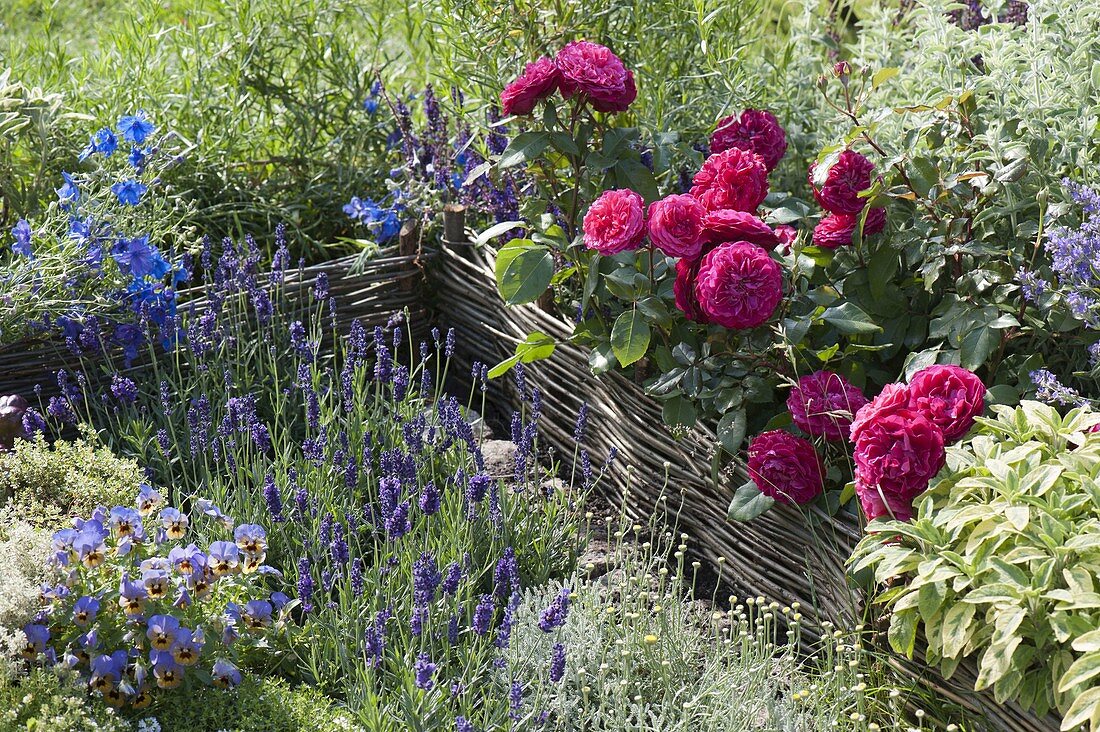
836	230
591	69
948	396
538	81
676	226
615	222
892	398
683	290
823	405
849	175
756	130
729	225
786	467
738	285
896	453
735	178
786	235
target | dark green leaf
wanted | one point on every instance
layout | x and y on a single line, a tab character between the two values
849	319
731	430
523	147
679	412
748	503
524	270
630	337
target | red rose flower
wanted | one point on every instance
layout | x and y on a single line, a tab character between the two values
786	467
683	290
837	230
756	130
591	69
948	396
729	225
892	398
837	189
786	234
823	405
615	222
896	454
538	81
738	285
735	178
676	226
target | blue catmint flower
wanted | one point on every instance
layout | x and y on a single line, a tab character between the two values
136	127
1049	389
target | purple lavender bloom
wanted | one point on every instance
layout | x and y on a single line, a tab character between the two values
554	615
483	615
305	585
124	389
429	499
356	577
426	579
320	287
506	574
1049	389
515	699
452	578
464	725
338	549
478	486
33	423
425	671
398	524
60	409
375	638
557	663
273	499
582	424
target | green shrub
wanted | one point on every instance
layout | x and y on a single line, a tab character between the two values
45	701
49	483
257	705
1000	563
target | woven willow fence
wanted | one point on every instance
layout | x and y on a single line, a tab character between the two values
783	555
371	290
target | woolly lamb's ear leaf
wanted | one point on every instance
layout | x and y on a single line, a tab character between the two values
748	503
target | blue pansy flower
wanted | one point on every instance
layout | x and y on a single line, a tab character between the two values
129	192
136	127
22	232
68	192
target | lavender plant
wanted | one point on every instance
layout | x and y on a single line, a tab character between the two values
404	555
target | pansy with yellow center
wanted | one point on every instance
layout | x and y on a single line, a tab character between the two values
162	631
174	522
224	558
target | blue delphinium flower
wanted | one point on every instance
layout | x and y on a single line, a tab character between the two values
104	141
129	192
22	233
371	105
136	127
137	158
68	192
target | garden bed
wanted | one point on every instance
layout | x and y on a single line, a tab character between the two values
785	554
